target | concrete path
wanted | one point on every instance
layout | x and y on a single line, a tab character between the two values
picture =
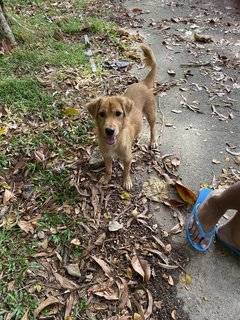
199	138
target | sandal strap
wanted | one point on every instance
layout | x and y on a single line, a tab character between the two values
199	227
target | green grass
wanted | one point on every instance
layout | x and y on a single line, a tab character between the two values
35	35
14	262
14	254
53	183
24	95
38	46
66	229
17	302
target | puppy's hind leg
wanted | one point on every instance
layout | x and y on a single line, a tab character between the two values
108	173
151	116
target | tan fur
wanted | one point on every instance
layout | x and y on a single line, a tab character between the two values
123	116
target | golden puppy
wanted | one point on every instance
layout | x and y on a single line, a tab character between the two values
119	120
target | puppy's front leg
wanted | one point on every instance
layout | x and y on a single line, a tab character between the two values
108	167
127	182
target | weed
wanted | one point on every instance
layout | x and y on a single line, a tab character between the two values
70	25
80	308
98	25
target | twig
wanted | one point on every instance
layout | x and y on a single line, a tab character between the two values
178	265
195	65
124	211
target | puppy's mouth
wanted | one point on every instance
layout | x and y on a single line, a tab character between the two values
111	139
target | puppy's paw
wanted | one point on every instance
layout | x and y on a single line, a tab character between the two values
105	179
127	184
153	144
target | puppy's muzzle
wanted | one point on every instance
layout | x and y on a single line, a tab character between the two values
111	138
109	131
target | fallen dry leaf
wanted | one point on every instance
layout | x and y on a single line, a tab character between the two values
186	194
159	242
141	266
216	161
150	305
188	278
129	273
50	300
170	280
158	304
65	283
98	306
140	313
3	131
108	293
95	200
174	315
137	265
155	189
168	248
25	316
137	316
171	72
106	269
71	112
29	226
167	266
69	305
137	10
204	39
10	220
124	297
176	229
160	255
7	196
39	156
173	203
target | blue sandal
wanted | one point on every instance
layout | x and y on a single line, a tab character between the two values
229	246
201	198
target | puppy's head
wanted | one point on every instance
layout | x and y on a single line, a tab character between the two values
110	113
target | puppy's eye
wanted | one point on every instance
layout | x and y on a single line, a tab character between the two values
102	114
118	113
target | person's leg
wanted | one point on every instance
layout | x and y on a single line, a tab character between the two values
212	209
230	231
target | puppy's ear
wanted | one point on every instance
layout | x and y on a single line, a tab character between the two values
93	107
127	104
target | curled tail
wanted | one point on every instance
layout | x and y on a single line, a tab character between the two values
149	61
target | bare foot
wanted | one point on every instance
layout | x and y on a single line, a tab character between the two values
208	214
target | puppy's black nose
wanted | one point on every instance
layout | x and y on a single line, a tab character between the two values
109	131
